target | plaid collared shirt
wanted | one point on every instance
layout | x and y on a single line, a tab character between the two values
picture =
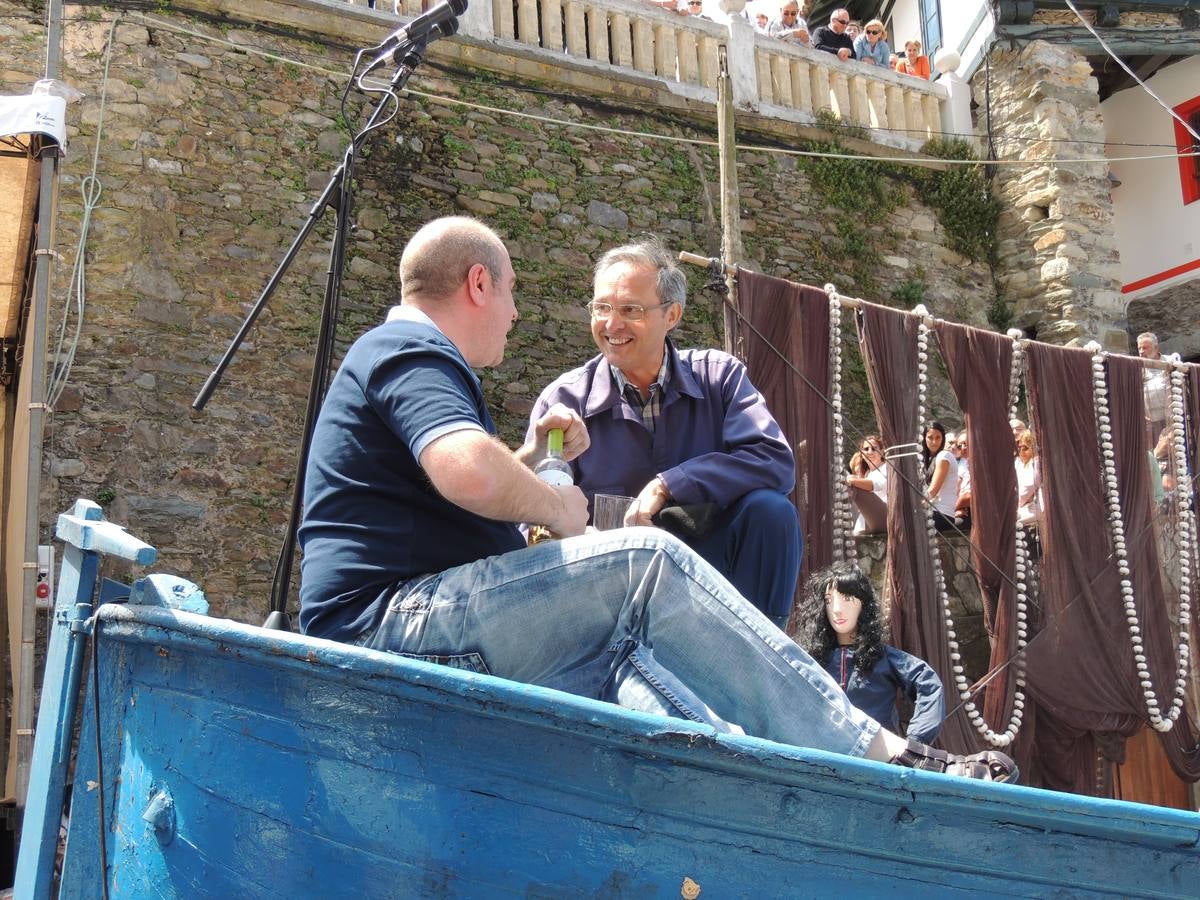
652	405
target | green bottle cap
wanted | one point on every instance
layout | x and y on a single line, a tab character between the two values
554	440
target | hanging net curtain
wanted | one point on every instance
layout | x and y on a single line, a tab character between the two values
793	319
1086	693
1082	669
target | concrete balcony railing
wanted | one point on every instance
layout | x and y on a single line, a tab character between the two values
769	76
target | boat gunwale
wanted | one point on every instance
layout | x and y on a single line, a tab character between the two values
677	740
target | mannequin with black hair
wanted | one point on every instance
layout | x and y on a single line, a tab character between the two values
840	625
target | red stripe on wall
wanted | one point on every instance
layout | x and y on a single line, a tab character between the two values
1161	276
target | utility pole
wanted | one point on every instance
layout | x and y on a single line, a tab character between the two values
731	207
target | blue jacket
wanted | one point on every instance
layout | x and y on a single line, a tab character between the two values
875	694
882	53
714	442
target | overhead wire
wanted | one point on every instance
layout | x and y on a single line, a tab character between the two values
75	303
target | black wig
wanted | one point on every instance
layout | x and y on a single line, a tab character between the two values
816	635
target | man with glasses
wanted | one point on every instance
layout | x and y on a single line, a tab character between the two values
410	545
832	38
790	26
684	432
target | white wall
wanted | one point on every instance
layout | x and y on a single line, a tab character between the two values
1155	231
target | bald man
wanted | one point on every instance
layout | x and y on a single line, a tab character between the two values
411	545
832	38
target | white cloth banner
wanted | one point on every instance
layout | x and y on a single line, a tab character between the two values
34	114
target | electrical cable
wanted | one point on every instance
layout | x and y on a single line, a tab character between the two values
1145	87
645	135
91	188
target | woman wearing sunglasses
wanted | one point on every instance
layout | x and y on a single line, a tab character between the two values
871	46
868	486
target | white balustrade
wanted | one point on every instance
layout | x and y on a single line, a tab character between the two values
774	77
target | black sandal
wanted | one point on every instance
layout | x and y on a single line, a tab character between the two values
988	765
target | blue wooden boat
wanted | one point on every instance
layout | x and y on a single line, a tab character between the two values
233	761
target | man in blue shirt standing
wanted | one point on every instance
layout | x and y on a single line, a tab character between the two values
410	543
682	428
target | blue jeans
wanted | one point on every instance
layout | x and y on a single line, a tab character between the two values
632	617
757	544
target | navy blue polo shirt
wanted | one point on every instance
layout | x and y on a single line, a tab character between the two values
371	517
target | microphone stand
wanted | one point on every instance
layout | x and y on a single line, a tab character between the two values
339	194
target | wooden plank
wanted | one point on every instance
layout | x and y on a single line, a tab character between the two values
18	182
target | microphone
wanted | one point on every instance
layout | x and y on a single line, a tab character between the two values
439	21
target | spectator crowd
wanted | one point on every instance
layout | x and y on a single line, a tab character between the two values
945	458
842	36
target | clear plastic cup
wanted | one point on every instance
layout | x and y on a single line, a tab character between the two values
608	511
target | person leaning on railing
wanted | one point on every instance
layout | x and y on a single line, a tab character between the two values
872	47
913	62
675	6
790	26
832	38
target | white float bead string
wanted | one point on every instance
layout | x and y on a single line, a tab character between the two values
1185	515
1116	527
844	546
962	685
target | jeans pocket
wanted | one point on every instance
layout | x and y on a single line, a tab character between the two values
410	596
469	662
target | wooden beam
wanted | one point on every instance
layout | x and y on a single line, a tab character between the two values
1124	41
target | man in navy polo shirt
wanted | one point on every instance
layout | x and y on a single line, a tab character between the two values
410	542
682	428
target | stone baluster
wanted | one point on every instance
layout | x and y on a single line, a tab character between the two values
622	41
643	46
897	118
839	89
859	110
574	13
933	114
877	104
801	85
781	80
709	68
597	21
502	21
912	112
552	36
820	88
666	62
688	68
527	22
478	21
766	93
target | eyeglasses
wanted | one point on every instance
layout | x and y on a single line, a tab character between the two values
695	2
630	312
842	21
873	31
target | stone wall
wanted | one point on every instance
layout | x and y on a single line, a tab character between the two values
210	157
1058	257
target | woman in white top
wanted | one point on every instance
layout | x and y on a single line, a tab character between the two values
1029	480
941	473
868	481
